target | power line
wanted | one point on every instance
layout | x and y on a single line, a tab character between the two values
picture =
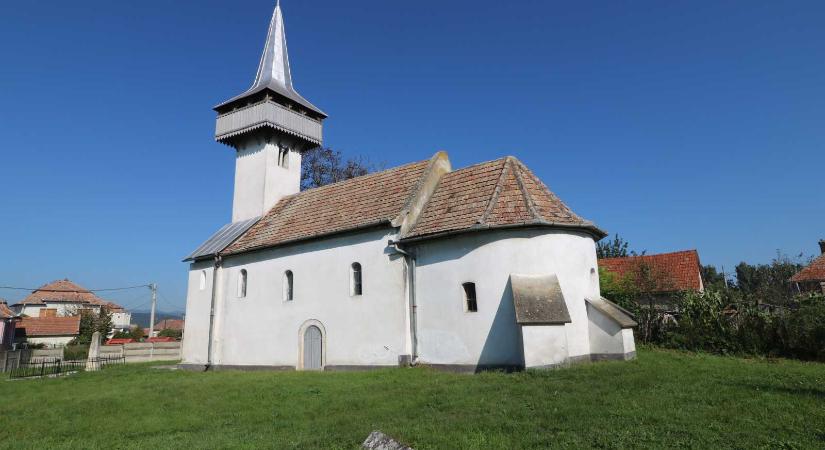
75	290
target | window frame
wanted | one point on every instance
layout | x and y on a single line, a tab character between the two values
202	280
467	288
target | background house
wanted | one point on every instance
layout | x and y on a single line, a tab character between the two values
7	320
169	324
812	278
660	277
52	331
65	298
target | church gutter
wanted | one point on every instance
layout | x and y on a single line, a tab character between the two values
594	231
409	259
215	269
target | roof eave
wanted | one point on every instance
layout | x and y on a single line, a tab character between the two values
595	232
378	224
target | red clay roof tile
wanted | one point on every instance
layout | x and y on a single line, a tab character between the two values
360	202
498	193
814	272
49	326
680	270
66	291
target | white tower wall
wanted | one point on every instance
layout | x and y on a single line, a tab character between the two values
261	180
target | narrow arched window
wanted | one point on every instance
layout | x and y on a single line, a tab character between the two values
288	290
470	303
202	284
355	287
283	158
242	279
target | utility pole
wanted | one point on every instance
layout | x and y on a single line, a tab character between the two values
154	288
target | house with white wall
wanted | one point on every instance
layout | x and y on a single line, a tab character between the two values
64	298
467	269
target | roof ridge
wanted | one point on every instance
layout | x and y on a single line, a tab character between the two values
496	192
528	199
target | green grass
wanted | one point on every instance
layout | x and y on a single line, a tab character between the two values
663	399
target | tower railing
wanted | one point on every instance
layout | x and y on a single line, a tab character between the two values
269	113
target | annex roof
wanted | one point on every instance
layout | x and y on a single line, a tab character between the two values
496	194
49	326
66	291
221	239
538	300
678	271
814	272
621	316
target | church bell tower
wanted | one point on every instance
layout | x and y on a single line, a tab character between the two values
269	126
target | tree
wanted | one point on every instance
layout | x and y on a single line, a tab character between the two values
711	277
322	166
177	334
768	283
91	322
616	248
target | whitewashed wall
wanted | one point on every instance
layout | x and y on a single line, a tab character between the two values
449	335
262	329
198	303
259	181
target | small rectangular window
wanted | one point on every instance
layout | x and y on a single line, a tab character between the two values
470	297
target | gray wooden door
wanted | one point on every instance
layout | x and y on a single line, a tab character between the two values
312	348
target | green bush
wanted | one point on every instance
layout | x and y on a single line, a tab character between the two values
75	352
713	322
171	333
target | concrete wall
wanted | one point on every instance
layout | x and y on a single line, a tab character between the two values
545	346
54	341
259	181
262	329
447	334
607	338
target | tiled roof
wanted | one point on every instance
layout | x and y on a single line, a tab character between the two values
169	324
677	271
5	311
500	193
49	326
66	291
360	202
495	194
814	272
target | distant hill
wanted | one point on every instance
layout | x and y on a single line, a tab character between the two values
141	318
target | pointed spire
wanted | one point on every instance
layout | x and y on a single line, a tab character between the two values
273	69
274	65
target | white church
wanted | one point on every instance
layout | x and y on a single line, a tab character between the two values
465	269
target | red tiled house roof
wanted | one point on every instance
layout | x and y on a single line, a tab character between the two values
169	324
496	194
49	326
678	271
814	272
5	311
68	292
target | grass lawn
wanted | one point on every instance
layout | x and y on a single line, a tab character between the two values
663	399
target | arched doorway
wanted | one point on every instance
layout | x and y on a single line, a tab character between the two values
313	348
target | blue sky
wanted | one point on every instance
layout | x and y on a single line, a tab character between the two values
676	124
